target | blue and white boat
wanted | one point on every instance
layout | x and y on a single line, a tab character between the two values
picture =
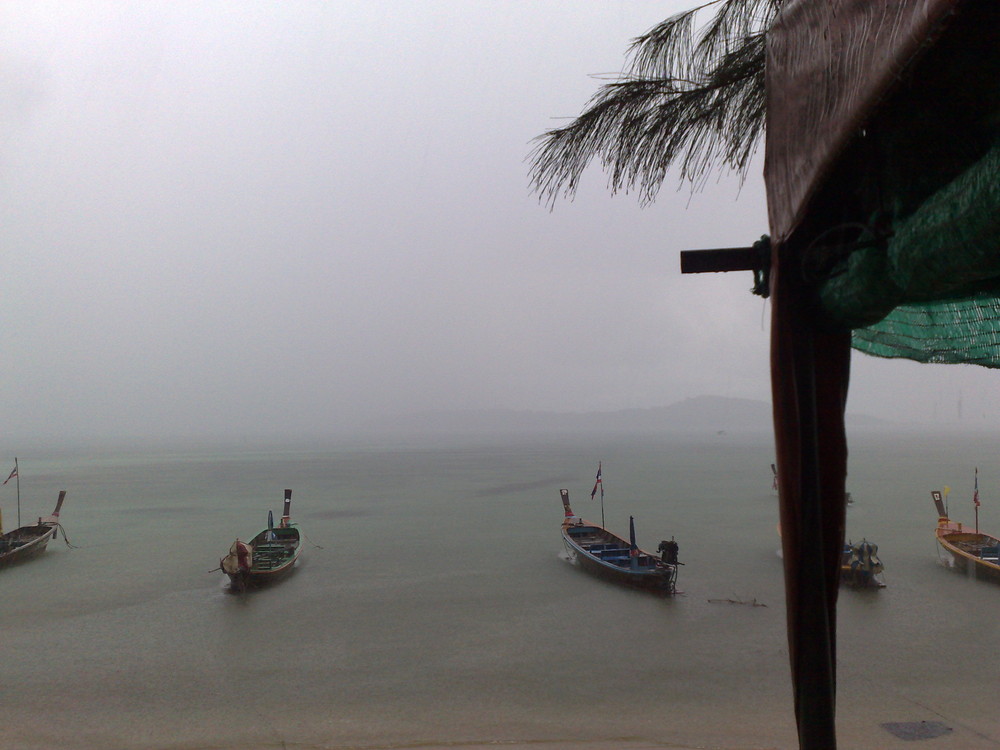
607	555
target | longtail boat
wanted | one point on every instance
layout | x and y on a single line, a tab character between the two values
861	567
966	549
607	555
28	542
270	556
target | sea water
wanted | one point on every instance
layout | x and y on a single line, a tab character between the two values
434	606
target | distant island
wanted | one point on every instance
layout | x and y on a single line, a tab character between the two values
696	414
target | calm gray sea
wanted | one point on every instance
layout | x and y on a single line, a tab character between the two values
433	606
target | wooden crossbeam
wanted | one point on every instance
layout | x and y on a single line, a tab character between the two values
722	259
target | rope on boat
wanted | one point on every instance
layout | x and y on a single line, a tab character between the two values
317	546
65	538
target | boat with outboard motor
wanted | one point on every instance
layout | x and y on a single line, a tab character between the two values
270	556
602	553
861	567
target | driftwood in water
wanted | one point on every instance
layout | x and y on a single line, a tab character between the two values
752	603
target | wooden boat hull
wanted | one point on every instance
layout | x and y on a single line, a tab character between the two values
272	560
267	558
28	542
647	572
25	543
860	567
856	580
607	555
975	554
249	579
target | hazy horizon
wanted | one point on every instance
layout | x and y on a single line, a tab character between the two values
299	218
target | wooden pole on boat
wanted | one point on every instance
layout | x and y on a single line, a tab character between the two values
975	498
286	516
17	476
59	503
633	548
567	511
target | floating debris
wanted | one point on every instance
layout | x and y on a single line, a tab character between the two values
752	603
916	730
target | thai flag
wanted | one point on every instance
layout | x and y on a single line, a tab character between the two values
12	475
597	483
975	492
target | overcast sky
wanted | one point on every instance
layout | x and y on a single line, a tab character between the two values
300	216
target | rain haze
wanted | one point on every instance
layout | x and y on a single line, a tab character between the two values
304	218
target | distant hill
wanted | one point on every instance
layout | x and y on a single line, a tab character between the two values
697	414
702	413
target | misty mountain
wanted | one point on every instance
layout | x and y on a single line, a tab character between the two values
697	414
702	413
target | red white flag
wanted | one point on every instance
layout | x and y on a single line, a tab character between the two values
975	492
12	475
597	483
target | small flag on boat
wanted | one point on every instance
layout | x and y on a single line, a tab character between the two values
975	492
12	475
597	483
774	480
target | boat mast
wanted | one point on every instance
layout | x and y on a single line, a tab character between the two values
975	499
599	482
17	477
633	548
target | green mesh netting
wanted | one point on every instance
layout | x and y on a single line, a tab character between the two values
906	240
948	332
932	293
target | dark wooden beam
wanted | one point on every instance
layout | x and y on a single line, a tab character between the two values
723	259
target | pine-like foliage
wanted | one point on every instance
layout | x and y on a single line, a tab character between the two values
690	98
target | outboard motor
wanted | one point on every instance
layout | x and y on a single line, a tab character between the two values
866	557
668	551
239	559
